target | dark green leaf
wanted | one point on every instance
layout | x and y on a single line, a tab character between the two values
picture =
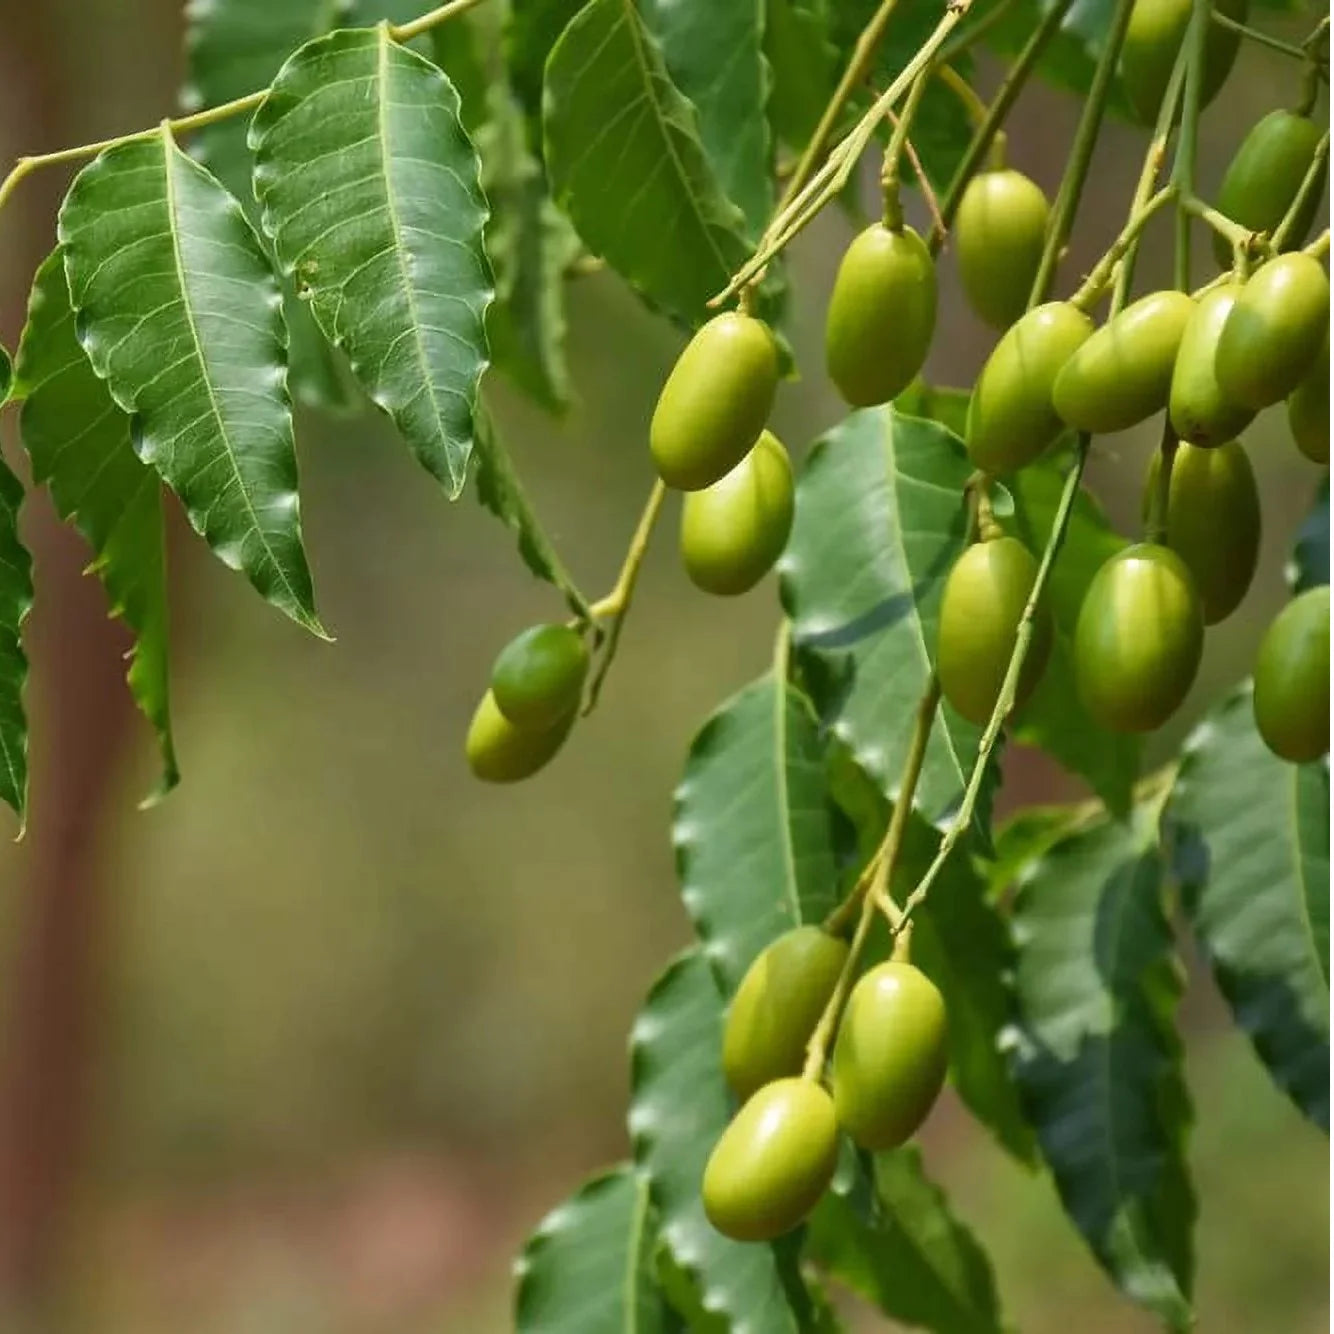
1309	565
15	602
370	192
1253	856
232	48
627	166
532	31
6	375
903	1250
679	1105
714	56
499	489
457	48
179	313
588	1269
1097	1057
79	443
754	848
801	65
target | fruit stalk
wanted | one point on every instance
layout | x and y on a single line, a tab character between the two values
898	141
1100	275
1183	165
1312	184
1081	153
1255	35
1155	524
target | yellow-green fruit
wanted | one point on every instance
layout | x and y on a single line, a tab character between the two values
715	402
998	236
890	1057
500	752
733	531
1263	179
773	1162
1308	411
1011	420
1124	372
979	621
881	315
1213	522
1200	413
1138	639
1153	38
1275	332
1292	679
538	678
777	1005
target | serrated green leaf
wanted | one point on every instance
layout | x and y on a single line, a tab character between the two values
802	66
751	827
1098	1059
500	491
79	444
627	166
232	48
714	53
1309	566
1253	856
679	1105
179	313
369	189
903	1250
588	1268
16	594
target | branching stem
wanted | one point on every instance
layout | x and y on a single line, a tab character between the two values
1255	35
1312	183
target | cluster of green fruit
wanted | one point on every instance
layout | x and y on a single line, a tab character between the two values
777	1157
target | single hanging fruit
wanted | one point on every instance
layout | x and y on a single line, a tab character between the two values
890	1057
1275	332
1124	372
998	236
777	1005
1308	411
773	1162
715	402
1263	179
500	752
733	531
1138	639
539	675
1292	679
1200	413
881	315
1011	420
1213	522
983	600
1153	38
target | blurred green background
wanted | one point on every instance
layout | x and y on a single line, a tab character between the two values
328	1031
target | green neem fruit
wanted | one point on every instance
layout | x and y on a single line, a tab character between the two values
1264	177
881	315
890	1057
979	622
733	531
777	1005
1011	420
715	402
773	1162
1124	372
1308	411
1292	679
1200	413
1213	522
1277	328
1138	639
998	236
539	676
500	752
1153	38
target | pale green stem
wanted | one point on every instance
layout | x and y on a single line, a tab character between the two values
1312	183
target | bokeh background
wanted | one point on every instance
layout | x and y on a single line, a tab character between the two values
309	1048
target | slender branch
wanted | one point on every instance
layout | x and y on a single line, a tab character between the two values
617	603
1101	274
923	180
1239	237
405	32
1081	153
1255	35
892	212
969	38
1183	165
1312	183
1318	248
964	91
1155	524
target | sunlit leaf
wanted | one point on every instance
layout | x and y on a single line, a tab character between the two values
370	193
79	443
1253	855
588	1268
179	312
1097	1055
